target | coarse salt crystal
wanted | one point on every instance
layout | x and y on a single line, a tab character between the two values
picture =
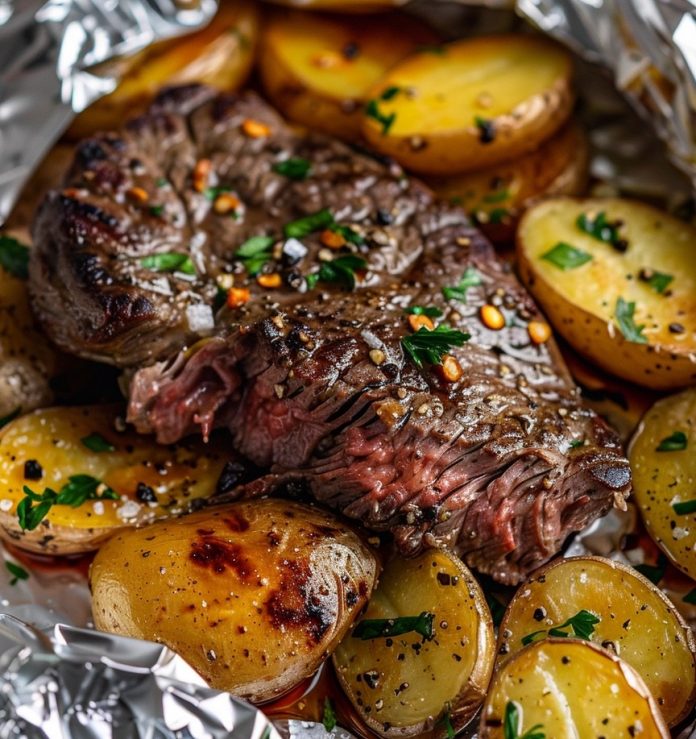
5	504
128	510
200	318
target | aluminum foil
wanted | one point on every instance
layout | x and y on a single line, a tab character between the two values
46	52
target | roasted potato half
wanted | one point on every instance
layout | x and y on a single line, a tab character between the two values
221	55
110	479
496	197
473	104
253	595
318	69
565	689
627	615
411	682
617	279
663	464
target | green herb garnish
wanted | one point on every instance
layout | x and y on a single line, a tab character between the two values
486	129
512	728
470	278
212	193
430	347
390	93
623	313
255	252
386	121
564	256
423	310
329	716
497	609
341	270
171	261
659	281
74	493
377	628
156	210
14	257
582	625
446	721
687	506
497	197
602	230
304	226
294	168
498	215
18	573
97	443
10	417
675	442
351	236
655	572
576	443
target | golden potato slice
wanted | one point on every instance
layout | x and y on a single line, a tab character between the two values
479	102
319	68
408	683
252	595
663	464
45	449
221	55
625	295
496	197
565	689
632	618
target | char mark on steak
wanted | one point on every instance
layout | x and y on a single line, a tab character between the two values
500	464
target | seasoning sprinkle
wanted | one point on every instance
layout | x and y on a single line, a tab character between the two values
377	628
14	257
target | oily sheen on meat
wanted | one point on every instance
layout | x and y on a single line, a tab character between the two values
306	368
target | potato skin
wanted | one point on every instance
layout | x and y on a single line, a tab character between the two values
253	595
580	302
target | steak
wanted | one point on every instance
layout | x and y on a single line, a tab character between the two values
484	448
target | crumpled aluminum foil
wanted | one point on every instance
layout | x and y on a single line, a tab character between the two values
46	52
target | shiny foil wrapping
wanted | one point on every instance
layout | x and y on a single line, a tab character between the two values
59	678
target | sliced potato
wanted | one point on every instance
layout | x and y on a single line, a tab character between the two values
665	479
479	102
253	595
648	280
319	68
405	685
45	448
568	689
221	55
636	622
496	197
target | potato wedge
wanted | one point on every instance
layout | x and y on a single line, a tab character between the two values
664	467
479	102
317	69
252	595
45	448
629	306
568	688
221	55
636	621
408	684
496	197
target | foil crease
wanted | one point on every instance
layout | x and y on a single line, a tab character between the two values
47	50
64	682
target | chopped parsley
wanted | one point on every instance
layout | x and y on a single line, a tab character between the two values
512	728
18	573
14	257
304	226
212	193
497	197
171	261
97	443
446	721
675	442
74	493
350	235
582	625
377	628
390	93
386	121
10	417
470	278
255	252
423	310
655	572
341	270
294	168
602	229
486	129
156	210
329	715
498	215
623	313
576	443
685	507
658	281
564	256
430	347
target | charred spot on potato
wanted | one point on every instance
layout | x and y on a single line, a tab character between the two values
218	555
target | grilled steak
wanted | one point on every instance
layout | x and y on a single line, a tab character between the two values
485	448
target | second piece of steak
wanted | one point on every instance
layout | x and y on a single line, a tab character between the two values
493	457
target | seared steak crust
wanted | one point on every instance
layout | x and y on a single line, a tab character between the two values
500	465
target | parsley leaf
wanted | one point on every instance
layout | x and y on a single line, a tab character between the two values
171	261
97	443
602	229
684	507
655	572
17	572
675	442
431	346
390	93
329	717
564	256
511	725
423	310
304	226
351	236
377	628
582	625
659	281
341	270
14	257
446	721
623	313
386	121
294	168
470	278
255	252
